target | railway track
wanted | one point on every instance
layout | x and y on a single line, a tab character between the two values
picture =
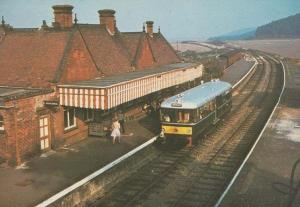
197	176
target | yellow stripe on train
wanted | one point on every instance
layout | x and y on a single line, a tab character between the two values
177	130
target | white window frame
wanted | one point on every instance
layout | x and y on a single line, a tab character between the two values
2	121
68	118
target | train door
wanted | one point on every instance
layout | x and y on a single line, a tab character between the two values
215	108
218	103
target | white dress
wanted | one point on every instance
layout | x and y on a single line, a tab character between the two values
116	130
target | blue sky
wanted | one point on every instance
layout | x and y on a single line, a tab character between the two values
178	19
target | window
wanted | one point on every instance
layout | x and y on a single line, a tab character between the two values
1	123
168	115
69	118
183	116
88	115
177	115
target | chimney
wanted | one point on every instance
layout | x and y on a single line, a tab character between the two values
63	16
107	17
150	28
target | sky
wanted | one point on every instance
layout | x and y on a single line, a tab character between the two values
178	19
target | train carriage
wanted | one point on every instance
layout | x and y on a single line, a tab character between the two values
191	112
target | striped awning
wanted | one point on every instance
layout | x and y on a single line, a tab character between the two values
97	94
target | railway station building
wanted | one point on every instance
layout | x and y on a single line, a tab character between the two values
63	81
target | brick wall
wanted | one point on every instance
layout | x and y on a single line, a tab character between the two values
20	139
7	141
79	63
145	58
62	136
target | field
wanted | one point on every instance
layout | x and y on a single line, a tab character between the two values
284	47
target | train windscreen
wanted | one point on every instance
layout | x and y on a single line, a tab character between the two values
177	115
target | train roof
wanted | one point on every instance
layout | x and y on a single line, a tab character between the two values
197	96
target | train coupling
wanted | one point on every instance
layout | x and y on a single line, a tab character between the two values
162	134
161	137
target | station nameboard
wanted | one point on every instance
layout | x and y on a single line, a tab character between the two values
51	103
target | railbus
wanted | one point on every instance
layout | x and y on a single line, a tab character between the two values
188	114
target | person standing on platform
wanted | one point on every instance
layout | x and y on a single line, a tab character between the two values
116	131
121	118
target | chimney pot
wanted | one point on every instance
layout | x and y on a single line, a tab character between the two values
107	17
63	16
150	27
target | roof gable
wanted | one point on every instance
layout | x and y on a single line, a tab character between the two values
107	53
144	57
131	42
163	52
77	63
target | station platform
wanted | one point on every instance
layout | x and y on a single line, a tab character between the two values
265	178
236	71
50	173
44	176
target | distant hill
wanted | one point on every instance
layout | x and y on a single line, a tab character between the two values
288	27
241	34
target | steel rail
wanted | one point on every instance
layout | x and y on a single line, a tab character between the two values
90	177
254	145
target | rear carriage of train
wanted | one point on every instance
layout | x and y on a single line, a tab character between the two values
191	112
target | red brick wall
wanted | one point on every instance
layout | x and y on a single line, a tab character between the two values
22	128
61	136
79	63
64	20
22	123
7	141
145	58
109	22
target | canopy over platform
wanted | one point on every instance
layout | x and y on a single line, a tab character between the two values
109	92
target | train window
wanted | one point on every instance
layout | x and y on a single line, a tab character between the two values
207	109
168	115
179	116
198	115
185	116
220	100
166	118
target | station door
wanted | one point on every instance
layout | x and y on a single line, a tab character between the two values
44	124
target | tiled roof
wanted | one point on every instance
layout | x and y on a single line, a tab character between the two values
35	58
31	58
162	50
131	41
10	93
108	55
